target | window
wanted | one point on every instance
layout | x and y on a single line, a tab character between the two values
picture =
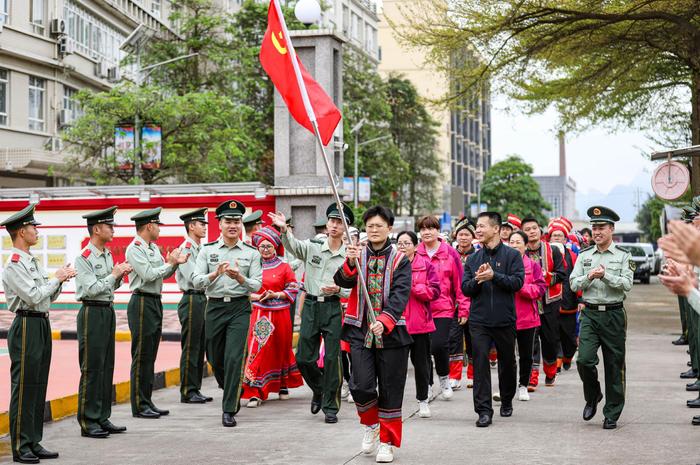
37	18
70	103
346	19
92	36
36	103
155	8
4	11
355	27
4	96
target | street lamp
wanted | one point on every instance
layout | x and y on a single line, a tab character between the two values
308	12
356	130
135	44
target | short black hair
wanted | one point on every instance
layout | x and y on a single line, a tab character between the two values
410	234
586	230
141	227
521	234
506	225
381	211
530	219
494	217
13	233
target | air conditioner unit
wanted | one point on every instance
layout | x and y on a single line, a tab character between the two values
65	118
58	27
65	46
113	74
101	69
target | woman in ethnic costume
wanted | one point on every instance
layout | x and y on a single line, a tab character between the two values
271	366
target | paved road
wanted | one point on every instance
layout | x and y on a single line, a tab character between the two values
654	428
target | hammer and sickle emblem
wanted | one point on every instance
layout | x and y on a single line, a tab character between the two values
282	50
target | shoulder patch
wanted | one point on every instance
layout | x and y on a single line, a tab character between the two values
86	253
211	243
137	243
587	248
624	249
250	246
15	258
188	245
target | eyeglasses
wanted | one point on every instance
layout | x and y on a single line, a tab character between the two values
266	247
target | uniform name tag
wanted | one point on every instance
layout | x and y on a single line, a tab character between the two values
587	262
316	260
98	266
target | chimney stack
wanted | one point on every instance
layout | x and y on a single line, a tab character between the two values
562	155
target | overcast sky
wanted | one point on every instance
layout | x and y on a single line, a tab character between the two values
597	160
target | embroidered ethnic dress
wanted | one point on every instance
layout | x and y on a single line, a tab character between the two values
271	365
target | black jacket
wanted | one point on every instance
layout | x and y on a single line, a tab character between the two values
392	308
569	299
493	302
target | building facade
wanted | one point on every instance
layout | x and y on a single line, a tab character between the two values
49	50
464	140
560	193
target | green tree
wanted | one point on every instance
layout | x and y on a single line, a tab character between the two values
415	133
648	218
627	62
365	97
201	137
225	100
510	188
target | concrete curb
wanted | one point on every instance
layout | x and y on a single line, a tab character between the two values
63	407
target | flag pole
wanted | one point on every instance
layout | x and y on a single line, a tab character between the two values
312	117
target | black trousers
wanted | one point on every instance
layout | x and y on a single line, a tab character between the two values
459	341
420	358
347	365
567	334
526	341
547	340
504	339
440	345
684	317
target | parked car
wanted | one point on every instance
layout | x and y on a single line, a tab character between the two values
641	259
651	256
660	260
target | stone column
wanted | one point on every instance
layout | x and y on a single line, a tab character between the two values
301	183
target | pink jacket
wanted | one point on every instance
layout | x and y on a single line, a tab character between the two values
425	288
449	268
528	297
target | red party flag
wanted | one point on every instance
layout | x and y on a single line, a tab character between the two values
305	98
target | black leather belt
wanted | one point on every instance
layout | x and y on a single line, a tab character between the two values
604	307
193	292
322	298
32	314
229	299
97	303
147	294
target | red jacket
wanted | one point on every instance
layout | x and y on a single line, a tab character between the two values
425	288
448	266
527	299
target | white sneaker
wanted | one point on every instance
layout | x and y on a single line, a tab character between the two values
497	396
445	387
253	403
456	384
350	399
284	395
523	394
370	440
385	454
345	390
424	409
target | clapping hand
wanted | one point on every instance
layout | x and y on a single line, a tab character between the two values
596	273
233	272
484	273
120	269
221	269
65	273
176	258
